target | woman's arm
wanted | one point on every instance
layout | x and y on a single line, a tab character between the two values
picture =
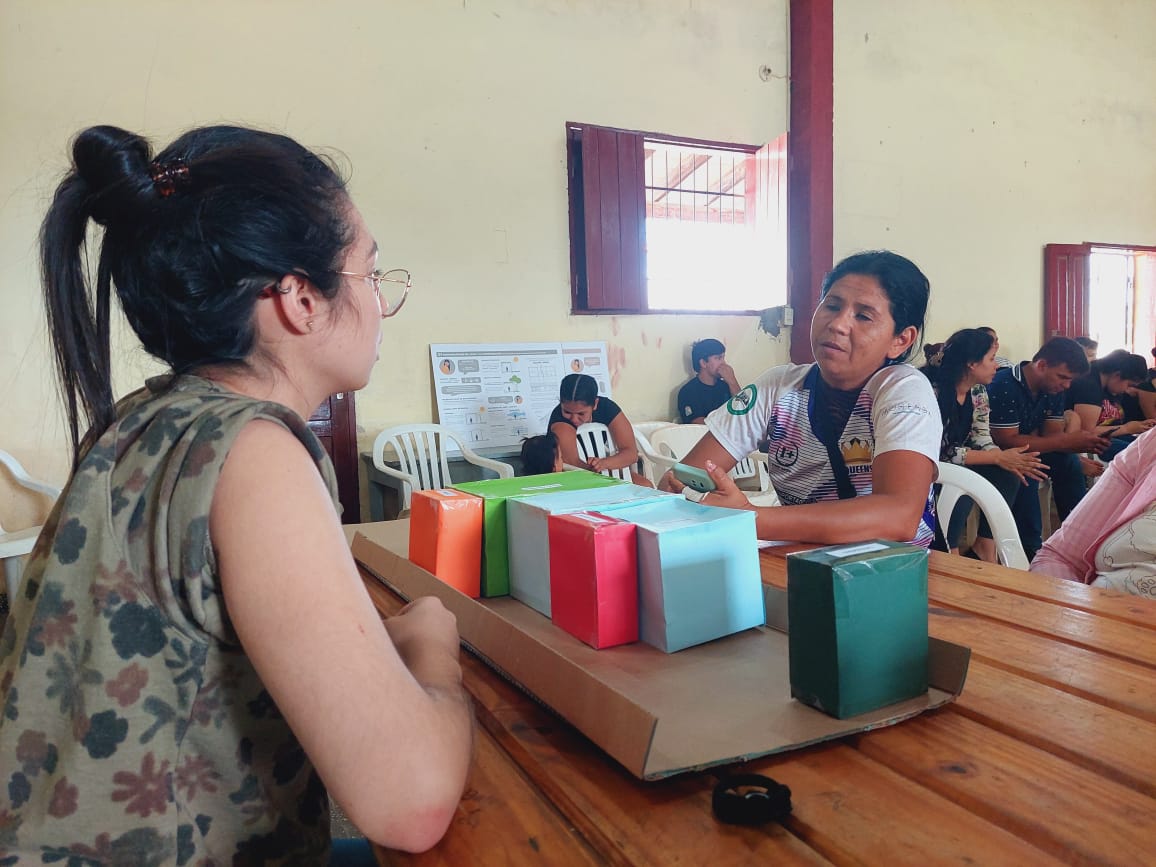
1089	418
622	434
1147	401
901	481
378	708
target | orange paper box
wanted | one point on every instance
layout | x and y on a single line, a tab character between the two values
445	537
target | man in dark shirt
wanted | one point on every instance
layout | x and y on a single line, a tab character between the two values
714	384
1027	408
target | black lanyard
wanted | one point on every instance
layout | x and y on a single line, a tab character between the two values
822	424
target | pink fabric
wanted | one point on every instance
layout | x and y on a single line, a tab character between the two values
1127	489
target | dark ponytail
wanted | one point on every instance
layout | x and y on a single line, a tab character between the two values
189	240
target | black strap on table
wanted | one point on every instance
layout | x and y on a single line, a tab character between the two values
763	801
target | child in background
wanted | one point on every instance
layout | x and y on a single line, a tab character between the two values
541	454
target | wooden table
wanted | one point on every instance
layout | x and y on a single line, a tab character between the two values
1048	756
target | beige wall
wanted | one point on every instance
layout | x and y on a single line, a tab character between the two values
967	134
452	117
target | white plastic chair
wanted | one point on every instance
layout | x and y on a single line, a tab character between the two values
646	453
958	481
594	441
670	444
14	545
421	451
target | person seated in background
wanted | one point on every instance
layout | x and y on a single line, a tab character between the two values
1109	540
960	373
1027	409
579	403
1101	400
1089	346
853	439
541	454
1000	361
713	384
1140	402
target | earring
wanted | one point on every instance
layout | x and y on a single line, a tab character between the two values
309	324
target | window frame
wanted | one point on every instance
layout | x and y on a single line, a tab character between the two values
627	261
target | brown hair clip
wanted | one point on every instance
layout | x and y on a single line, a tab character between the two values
168	176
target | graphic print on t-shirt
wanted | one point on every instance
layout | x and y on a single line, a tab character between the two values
857	454
742	402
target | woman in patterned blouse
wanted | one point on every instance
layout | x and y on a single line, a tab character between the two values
960	372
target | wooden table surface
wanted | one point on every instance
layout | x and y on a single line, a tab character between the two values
1048	756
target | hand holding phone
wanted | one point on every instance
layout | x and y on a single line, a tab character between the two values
694	478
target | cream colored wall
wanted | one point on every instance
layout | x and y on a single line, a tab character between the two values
969	133
452	117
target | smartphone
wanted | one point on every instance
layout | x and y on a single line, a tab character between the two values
694	478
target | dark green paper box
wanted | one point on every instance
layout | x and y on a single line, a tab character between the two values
495	492
857	621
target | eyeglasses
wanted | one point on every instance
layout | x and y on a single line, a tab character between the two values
392	287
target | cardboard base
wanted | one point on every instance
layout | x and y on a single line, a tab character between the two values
658	714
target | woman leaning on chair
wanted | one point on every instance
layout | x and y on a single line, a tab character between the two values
960	371
852	440
195	659
580	403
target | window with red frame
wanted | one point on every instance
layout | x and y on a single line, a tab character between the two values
660	223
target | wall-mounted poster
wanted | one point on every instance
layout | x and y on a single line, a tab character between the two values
494	394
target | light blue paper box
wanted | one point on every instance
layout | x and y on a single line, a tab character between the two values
529	538
698	572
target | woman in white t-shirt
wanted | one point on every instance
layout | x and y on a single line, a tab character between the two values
852	440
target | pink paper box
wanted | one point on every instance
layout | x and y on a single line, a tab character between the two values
594	578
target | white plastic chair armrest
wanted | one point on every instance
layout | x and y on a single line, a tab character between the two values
504	470
18	542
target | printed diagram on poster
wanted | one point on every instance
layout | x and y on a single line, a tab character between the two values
494	394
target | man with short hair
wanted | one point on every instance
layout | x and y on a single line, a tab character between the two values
1027	409
712	386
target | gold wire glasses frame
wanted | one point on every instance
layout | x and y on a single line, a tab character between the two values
396	275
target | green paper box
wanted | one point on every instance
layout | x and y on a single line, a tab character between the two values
495	492
857	618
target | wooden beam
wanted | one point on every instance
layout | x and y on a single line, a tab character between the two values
810	163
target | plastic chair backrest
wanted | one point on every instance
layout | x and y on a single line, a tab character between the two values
421	454
958	481
677	440
594	441
646	428
18	543
652	465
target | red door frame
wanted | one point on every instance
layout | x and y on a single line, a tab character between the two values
810	163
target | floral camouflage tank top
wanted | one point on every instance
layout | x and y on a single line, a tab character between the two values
133	728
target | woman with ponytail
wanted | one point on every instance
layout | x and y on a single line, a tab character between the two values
960	371
193	660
